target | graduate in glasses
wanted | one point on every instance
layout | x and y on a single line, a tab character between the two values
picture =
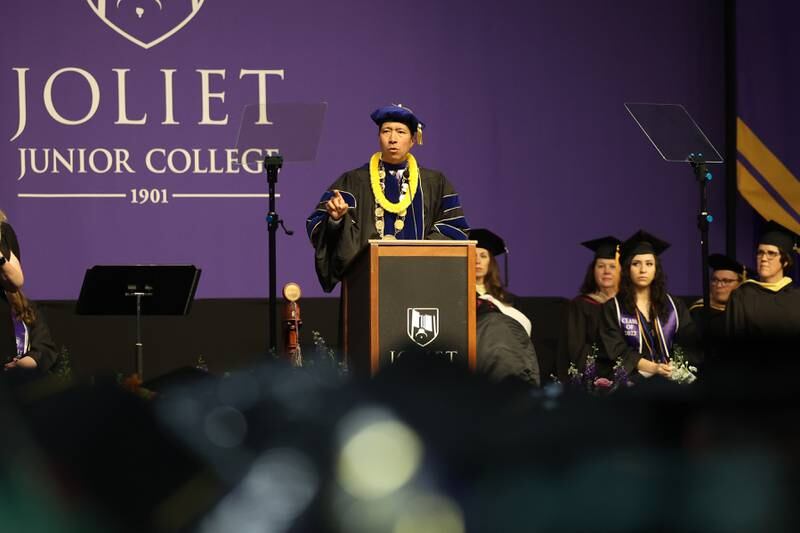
768	308
642	323
726	275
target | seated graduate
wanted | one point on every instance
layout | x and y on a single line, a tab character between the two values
504	347
642	322
768	309
389	198
726	275
26	349
584	312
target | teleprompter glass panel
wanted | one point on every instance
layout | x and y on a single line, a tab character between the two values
673	132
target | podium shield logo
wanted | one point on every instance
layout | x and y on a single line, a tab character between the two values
146	22
422	325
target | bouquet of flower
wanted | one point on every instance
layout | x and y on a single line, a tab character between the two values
589	380
682	371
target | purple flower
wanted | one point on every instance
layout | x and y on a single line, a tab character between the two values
621	375
591	370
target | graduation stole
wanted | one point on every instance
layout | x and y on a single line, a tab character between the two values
21	335
640	339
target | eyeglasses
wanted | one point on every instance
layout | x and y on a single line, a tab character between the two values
723	282
769	254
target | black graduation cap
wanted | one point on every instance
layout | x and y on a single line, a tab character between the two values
403	115
494	244
642	242
723	262
488	240
780	236
9	238
604	247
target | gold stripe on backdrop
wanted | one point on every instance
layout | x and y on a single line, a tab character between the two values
761	200
768	165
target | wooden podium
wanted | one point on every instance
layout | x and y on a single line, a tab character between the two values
409	296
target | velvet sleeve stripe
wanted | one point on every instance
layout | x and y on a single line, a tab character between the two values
457	233
312	223
349	198
450	201
453	227
459	222
321	214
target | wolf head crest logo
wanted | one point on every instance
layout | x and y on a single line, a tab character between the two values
146	22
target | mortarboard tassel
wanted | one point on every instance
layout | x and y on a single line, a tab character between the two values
505	267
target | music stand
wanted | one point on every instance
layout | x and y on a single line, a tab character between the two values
678	138
138	290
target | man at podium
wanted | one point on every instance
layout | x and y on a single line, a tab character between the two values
392	197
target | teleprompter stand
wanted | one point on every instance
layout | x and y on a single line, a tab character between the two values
138	290
678	138
291	132
273	164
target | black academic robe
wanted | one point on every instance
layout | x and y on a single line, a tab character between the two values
710	329
615	347
42	348
335	246
505	351
8	346
581	332
757	313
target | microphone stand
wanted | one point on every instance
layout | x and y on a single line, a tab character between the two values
273	164
139	351
704	218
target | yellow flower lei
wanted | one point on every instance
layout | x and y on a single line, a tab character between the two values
375	182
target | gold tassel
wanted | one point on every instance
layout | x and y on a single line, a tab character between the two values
419	134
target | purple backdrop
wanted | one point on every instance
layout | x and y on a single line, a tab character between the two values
523	101
767	74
